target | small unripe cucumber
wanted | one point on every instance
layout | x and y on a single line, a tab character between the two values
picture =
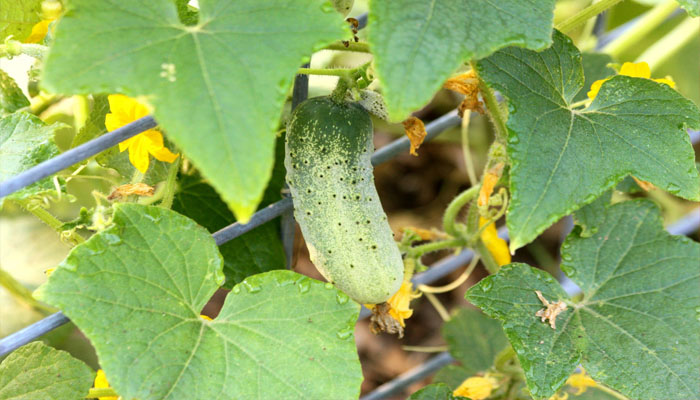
329	172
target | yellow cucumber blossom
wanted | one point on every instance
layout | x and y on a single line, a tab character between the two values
400	302
635	70
205	317
580	381
125	110
51	10
476	388
495	245
101	383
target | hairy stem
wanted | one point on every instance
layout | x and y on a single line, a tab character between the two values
171	184
20	292
53	222
13	48
495	111
582	16
450	217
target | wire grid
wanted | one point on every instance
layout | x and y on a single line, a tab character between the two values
284	208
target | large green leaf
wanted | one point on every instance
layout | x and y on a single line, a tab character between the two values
418	44
595	67
17	17
473	339
635	330
257	251
564	158
136	290
25	141
36	371
217	86
11	96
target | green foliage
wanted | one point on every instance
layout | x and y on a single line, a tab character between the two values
26	141
36	371
636	328
590	216
238	99
257	251
595	66
136	291
418	44
564	158
474	340
437	391
11	96
17	17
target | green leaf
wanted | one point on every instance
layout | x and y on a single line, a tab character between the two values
436	391
136	291
235	66
635	330
418	44
452	376
691	6
595	67
11	96
590	216
36	371
25	141
473	339
17	17
259	250
563	159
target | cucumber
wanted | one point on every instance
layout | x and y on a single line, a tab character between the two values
329	173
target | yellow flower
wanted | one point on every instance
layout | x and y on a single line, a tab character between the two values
580	381
635	70
126	110
496	246
560	396
101	383
475	387
205	317
400	302
39	31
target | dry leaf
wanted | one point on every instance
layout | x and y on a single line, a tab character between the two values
551	311
468	85
489	183
139	189
415	130
382	321
646	186
425	234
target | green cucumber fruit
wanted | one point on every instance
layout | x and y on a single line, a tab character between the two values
329	172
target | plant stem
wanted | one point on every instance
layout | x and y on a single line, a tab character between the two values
466	152
418	251
53	222
343	72
20	292
438	306
101	392
486	258
503	357
450	217
582	16
171	184
13	48
611	392
425	349
454	284
660	51
646	24
352	46
338	94
495	111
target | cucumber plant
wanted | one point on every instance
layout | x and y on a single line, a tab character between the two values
598	137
